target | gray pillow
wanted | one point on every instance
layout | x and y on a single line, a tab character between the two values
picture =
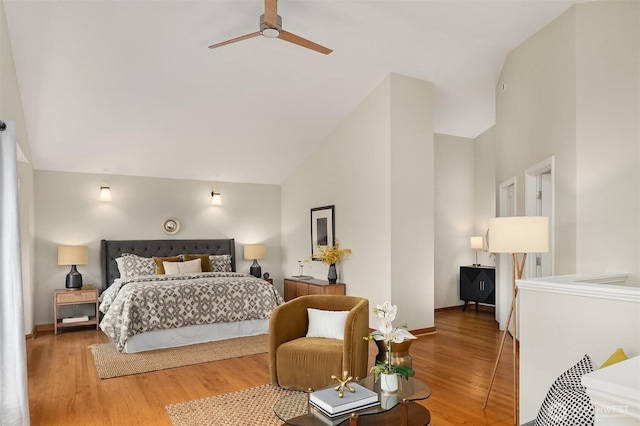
131	265
220	263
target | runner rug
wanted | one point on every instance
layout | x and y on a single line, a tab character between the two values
110	363
249	407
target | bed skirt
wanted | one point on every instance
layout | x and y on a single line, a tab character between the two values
160	339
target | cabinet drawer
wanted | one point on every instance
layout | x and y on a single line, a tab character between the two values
76	297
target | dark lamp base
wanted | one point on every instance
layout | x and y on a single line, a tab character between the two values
74	279
255	269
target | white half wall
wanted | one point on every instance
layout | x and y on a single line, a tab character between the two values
68	212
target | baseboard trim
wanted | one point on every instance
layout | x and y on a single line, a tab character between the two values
448	308
423	331
41	328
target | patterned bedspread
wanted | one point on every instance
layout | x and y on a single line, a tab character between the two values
153	302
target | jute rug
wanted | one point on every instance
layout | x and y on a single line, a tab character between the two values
249	407
110	363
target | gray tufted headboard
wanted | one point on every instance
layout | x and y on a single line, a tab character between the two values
111	249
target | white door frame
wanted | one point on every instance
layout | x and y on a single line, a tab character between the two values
507	206
530	204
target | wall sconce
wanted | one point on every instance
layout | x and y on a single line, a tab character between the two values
105	192
476	244
216	198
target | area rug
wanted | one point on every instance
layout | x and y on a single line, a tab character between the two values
110	363
249	407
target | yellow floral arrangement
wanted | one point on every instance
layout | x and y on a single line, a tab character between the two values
332	255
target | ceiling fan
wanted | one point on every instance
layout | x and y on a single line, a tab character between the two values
271	27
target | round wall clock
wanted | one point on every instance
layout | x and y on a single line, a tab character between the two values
170	225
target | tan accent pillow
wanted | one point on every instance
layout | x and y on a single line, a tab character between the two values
160	267
615	358
175	268
204	258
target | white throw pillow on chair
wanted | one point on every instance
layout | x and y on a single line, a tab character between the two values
327	324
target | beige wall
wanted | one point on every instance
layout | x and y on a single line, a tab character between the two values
573	93
356	169
608	138
412	200
68	212
11	111
536	118
454	215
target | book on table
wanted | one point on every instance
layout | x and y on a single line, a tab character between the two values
332	405
75	319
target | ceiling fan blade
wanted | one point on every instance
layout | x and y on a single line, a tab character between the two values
292	38
233	40
271	12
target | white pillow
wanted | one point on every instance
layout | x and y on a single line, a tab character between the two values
189	267
327	324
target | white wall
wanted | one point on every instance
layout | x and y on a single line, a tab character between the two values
608	138
454	215
11	110
68	212
353	169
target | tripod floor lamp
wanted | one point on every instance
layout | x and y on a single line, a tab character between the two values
517	236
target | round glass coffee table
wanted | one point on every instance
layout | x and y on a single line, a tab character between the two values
395	408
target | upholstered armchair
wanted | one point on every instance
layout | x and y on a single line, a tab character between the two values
300	362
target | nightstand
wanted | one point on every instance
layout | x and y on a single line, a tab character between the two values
269	280
85	296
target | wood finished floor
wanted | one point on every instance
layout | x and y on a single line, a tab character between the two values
457	362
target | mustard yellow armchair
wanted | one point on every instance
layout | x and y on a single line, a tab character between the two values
300	362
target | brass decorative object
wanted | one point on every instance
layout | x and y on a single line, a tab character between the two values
344	383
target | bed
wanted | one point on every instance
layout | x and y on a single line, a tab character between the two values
144	310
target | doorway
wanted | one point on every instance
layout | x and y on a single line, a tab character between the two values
539	201
507	206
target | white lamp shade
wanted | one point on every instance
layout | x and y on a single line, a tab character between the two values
255	251
73	255
476	243
216	199
519	234
105	192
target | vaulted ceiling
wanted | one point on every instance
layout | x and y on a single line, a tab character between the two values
130	87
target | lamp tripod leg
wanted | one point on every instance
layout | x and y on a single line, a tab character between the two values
504	336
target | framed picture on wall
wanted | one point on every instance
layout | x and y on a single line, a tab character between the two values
323	228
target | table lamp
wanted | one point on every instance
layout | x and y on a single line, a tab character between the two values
73	255
255	252
476	244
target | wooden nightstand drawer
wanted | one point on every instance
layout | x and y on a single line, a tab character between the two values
76	296
86	296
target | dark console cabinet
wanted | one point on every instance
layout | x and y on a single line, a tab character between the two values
477	284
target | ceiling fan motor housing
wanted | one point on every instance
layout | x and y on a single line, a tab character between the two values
270	31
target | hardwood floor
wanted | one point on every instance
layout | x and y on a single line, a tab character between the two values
457	362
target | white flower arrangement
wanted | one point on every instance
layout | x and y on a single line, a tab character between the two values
385	315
